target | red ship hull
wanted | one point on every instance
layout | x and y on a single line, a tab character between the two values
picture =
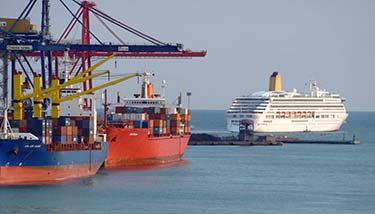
132	147
22	175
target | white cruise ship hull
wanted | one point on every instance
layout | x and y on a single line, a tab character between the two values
292	125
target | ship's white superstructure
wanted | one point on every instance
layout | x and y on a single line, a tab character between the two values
282	111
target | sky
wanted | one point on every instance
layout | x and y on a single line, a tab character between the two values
330	41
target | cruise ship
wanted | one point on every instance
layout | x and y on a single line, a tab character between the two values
276	110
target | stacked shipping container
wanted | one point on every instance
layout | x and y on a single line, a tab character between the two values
160	121
64	130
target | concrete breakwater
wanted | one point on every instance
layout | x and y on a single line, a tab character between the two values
213	140
203	139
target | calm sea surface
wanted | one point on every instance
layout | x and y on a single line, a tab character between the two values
282	179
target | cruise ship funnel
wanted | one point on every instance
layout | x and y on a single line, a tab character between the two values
275	82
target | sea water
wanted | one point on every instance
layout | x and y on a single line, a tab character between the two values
225	179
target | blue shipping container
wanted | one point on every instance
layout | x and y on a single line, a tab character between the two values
138	124
158	131
110	117
145	124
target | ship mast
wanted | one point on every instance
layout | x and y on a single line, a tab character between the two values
106	105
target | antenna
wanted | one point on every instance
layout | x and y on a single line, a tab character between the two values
163	85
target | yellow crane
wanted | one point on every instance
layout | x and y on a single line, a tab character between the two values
54	91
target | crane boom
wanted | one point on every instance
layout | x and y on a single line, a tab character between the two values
99	87
74	80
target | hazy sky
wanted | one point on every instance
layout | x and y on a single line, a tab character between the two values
330	41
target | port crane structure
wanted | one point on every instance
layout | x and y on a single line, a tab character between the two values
17	48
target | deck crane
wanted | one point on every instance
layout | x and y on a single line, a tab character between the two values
54	91
18	47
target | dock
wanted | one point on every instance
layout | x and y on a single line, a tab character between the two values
233	143
212	140
203	139
337	142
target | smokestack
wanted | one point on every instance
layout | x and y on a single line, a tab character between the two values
275	82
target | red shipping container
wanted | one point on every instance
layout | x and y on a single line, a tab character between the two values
120	109
22	130
55	122
23	124
175	123
175	130
164	110
69	139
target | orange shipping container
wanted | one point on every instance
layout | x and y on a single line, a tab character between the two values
187	129
47	140
158	123
69	130
176	117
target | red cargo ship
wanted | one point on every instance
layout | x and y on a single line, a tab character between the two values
143	130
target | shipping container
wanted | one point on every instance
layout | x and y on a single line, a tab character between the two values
175	123
158	123
158	131
64	121
137	124
175	130
175	117
145	124
164	110
110	117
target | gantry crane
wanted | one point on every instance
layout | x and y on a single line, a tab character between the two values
18	47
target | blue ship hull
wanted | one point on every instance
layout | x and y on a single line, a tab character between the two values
31	162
